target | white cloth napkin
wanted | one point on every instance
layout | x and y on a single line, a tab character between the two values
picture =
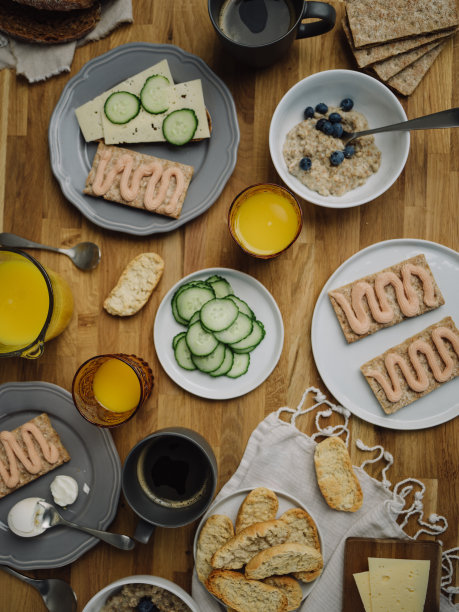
39	62
280	457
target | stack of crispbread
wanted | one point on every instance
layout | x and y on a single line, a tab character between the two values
398	42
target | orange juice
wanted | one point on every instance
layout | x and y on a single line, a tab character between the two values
62	305
116	386
265	220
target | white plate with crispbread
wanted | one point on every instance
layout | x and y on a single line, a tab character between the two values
230	506
339	362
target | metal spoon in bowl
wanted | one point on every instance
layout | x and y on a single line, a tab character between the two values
51	518
444	119
57	594
85	255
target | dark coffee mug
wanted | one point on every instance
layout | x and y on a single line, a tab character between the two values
169	479
264	54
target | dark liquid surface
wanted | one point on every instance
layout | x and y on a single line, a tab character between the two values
173	472
256	22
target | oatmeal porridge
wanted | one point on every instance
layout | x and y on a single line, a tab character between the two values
321	161
140	597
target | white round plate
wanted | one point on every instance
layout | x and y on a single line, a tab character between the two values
230	505
339	362
263	358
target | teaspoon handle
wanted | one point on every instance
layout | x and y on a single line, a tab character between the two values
444	119
11	571
115	539
11	240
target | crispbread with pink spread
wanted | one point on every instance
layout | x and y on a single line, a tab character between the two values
139	180
415	367
406	289
28	452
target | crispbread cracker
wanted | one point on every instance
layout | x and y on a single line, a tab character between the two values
113	194
406	81
398	315
393	65
242	595
51	436
283	559
408	395
217	530
260	505
336	477
135	285
290	587
374	22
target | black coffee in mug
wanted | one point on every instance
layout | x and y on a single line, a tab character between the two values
173	472
256	22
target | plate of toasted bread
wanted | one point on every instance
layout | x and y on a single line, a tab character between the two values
258	545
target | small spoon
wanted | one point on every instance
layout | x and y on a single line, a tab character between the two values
51	518
85	255
444	119
57	594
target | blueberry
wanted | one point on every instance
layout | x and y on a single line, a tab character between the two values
321	108
337	130
347	104
308	112
327	128
336	158
349	151
320	123
305	163
335	117
146	605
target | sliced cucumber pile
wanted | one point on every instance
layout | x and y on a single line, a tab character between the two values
121	106
221	331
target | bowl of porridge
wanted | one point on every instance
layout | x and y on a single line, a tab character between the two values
141	593
306	146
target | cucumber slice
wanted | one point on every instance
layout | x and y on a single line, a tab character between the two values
213	278
191	299
211	362
218	314
154	95
200	342
180	126
183	355
238	330
176	338
226	365
176	315
243	307
121	106
221	287
194	318
250	341
240	365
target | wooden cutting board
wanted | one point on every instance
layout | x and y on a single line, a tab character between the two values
357	551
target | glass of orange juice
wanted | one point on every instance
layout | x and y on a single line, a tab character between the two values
265	219
36	304
109	389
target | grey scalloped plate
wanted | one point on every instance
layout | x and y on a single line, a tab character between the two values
94	464
213	159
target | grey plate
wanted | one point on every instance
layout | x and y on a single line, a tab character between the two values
213	159
94	462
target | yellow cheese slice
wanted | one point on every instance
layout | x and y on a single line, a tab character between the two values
362	580
398	584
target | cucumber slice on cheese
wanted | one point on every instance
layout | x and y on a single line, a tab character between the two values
180	126
154	95
121	106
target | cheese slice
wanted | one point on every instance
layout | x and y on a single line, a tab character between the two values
398	584
90	114
148	128
362	580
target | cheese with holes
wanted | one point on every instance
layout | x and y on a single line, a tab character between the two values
362	580
398	585
90	114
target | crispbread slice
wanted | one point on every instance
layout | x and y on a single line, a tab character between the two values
393	65
374	22
217	530
344	294
260	505
24	476
406	393
114	192
244	595
283	559
406	81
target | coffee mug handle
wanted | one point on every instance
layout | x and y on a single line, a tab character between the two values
143	531
318	10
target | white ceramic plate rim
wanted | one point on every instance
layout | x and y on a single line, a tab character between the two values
328	342
293	183
203	385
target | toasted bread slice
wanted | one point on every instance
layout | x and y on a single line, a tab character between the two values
283	559
217	530
260	505
303	530
290	587
244	595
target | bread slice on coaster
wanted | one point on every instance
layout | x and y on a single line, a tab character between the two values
260	505
335	476
46	27
246	544
244	595
217	530
290	587
283	559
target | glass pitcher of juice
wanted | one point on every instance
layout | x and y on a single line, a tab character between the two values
36	304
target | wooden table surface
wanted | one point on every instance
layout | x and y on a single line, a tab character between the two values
422	204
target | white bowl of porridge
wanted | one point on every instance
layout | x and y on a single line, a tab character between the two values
126	594
306	146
